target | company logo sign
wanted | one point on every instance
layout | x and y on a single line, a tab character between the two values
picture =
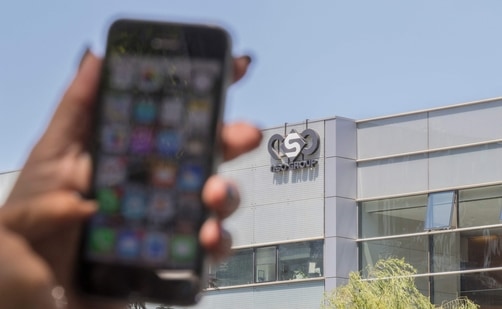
294	151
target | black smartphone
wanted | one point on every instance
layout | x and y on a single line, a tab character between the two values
155	143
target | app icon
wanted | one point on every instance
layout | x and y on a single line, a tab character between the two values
110	171
117	107
138	170
145	111
202	81
134	203
141	140
150	77
108	200
155	247
168	142
178	74
191	177
189	209
163	174
161	207
183	248
102	240
128	244
194	146
170	113
123	72
199	114
114	138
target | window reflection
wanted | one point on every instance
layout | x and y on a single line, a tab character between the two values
293	261
266	264
452	262
236	270
480	206
394	216
440	210
413	249
482	248
300	260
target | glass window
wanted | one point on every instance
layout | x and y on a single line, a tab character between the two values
440	209
301	260
480	206
442	253
403	215
483	288
236	270
414	250
481	249
266	262
445	252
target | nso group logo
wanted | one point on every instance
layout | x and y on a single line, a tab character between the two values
294	151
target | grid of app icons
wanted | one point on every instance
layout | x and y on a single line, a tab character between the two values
153	138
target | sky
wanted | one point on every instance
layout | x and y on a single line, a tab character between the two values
311	59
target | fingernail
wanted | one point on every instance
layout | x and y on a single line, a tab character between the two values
232	196
248	58
87	50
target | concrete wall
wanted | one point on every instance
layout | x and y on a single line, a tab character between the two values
280	206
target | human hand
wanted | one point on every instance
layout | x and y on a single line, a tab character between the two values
45	205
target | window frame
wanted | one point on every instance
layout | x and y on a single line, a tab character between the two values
435	209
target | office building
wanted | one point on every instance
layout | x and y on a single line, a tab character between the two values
323	198
326	197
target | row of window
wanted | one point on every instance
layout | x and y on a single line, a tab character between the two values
291	261
464	252
419	213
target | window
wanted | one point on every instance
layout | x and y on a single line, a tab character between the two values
266	261
440	211
293	261
300	260
237	270
480	206
413	249
462	261
394	216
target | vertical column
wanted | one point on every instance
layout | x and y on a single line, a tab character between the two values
340	207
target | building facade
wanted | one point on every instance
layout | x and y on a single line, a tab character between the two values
323	198
425	186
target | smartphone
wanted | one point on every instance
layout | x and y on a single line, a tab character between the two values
155	142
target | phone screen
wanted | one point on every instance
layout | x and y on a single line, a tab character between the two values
157	114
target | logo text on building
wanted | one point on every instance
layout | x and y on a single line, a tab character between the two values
295	151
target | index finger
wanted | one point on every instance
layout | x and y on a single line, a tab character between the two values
239	138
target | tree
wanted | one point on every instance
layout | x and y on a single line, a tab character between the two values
389	284
140	305
136	305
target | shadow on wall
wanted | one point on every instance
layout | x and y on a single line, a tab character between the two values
296	176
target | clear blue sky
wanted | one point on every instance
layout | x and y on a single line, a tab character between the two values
311	59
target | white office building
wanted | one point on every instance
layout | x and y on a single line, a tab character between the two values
326	197
425	185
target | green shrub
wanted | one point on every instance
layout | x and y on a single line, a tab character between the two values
389	285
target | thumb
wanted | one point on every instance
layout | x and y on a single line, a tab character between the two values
36	218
